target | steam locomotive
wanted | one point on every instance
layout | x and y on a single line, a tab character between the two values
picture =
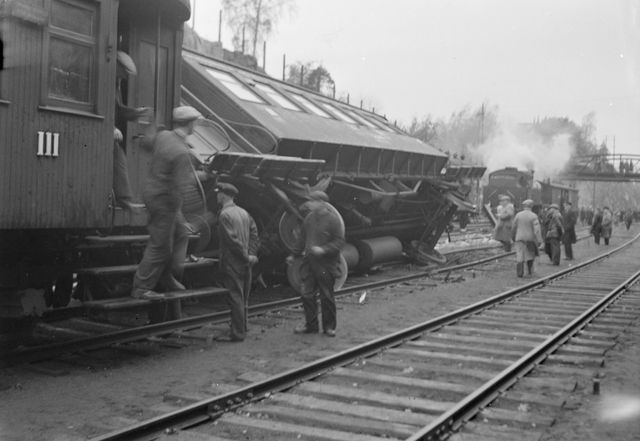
520	185
276	142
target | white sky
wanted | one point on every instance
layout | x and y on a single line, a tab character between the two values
412	58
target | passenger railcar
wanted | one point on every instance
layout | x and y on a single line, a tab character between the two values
275	141
57	105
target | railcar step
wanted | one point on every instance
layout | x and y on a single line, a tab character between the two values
124	269
131	302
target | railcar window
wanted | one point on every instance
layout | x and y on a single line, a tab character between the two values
235	86
380	125
310	106
338	113
72	72
277	97
360	119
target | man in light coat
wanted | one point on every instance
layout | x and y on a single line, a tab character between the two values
527	237
505	213
554	232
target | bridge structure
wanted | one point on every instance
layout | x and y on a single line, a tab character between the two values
617	167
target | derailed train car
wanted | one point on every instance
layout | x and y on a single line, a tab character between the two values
388	186
275	141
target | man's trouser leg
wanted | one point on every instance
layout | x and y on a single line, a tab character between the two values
520	269
175	269
121	186
235	284
310	306
555	251
157	254
326	281
530	266
568	250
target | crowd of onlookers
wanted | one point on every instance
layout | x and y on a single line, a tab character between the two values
551	227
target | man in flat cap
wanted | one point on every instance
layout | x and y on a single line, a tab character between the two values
121	187
527	237
554	231
323	236
169	173
238	253
505	213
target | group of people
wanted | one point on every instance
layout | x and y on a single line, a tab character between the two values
528	231
602	225
162	264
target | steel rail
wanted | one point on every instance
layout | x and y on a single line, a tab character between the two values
211	408
467	408
48	351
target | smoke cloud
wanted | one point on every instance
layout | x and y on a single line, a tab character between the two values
521	146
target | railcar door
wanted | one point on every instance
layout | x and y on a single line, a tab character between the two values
154	40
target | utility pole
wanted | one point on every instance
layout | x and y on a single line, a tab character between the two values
219	26
193	16
481	125
284	65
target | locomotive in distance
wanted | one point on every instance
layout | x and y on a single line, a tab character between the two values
275	141
520	185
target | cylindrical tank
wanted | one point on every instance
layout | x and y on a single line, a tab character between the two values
378	250
351	255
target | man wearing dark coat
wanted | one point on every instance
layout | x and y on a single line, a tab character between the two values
596	226
323	234
238	253
169	173
570	218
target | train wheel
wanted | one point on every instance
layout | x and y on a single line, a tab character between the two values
290	231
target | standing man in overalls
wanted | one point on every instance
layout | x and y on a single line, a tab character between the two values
238	253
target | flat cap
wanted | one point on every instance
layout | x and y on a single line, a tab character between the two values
554	206
229	189
502	197
527	202
185	114
127	63
318	195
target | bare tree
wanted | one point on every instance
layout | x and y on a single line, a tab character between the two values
256	18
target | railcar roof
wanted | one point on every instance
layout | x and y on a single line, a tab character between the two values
292	112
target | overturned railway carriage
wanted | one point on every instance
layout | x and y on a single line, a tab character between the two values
388	186
61	232
520	185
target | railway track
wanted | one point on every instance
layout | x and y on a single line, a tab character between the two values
81	334
498	369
